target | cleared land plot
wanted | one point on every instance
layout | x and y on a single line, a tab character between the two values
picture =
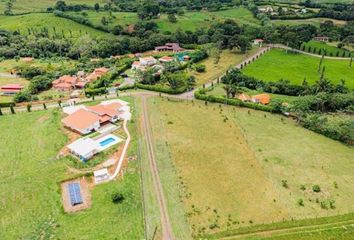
313	21
30	189
213	71
277	64
231	164
38	21
330	50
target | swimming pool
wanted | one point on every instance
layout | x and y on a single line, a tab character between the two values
107	141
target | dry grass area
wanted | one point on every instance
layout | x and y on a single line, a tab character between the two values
213	71
231	163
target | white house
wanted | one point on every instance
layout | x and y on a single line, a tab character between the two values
84	148
147	61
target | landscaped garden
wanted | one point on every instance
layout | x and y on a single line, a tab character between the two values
212	146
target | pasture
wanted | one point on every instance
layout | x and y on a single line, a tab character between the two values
25	6
214	70
30	193
189	21
237	167
277	64
38	21
324	48
314	21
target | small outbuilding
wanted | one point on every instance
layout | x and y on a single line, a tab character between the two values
101	175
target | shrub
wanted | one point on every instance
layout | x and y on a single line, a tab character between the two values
302	187
200	68
300	202
284	183
316	188
117	198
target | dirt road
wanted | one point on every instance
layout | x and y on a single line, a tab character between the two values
165	221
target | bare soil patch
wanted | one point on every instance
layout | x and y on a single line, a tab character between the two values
85	193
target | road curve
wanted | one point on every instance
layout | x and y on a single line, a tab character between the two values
165	221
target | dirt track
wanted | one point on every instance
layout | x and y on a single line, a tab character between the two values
165	221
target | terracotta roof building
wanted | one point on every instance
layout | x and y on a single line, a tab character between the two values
10	89
174	47
82	121
261	98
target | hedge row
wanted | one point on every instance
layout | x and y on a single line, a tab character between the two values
159	88
234	102
6	104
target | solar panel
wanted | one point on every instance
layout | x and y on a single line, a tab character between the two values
75	194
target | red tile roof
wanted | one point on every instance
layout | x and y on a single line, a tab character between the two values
11	87
262	98
103	110
81	119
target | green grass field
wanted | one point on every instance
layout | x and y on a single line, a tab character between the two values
277	64
314	21
24	6
30	195
330	50
213	71
189	21
231	164
37	21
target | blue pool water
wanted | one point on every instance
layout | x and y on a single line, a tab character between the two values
107	141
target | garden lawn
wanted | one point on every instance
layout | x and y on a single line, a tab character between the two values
330	50
38	21
277	64
231	163
30	192
213	71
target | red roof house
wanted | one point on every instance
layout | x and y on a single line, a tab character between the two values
82	121
10	89
65	83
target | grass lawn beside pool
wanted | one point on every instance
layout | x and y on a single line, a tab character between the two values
277	64
213	71
231	164
30	193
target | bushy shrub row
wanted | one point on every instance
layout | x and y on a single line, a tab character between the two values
234	102
160	88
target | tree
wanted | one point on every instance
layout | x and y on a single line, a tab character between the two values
117	198
172	18
148	10
44	106
104	20
97	7
0	112
8	7
231	90
29	106
12	109
60	5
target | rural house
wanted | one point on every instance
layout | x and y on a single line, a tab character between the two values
10	89
82	121
174	47
84	148
263	98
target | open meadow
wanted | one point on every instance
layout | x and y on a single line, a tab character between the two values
55	25
330	49
214	70
25	6
190	21
314	21
31	206
238	167
278	64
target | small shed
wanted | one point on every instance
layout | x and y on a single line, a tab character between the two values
101	175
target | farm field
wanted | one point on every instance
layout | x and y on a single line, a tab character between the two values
31	199
189	21
330	50
24	6
313	21
227	59
277	64
38	21
229	177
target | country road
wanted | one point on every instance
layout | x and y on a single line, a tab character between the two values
165	220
